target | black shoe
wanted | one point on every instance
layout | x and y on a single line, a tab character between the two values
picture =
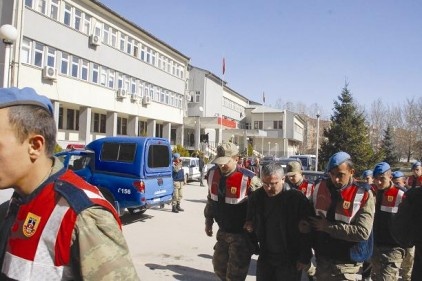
174	209
178	208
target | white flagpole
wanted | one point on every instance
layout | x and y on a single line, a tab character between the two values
222	99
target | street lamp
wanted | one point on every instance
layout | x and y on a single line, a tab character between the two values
8	34
276	149
317	142
269	148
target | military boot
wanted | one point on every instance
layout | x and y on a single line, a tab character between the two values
174	209
178	207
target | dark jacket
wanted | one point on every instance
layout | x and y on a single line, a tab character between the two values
293	206
407	227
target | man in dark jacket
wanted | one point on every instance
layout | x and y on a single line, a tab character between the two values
407	227
274	214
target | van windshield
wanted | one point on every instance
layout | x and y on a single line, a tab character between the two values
158	156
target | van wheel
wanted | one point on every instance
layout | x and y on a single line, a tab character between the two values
134	211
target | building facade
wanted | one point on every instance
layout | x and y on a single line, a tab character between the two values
105	75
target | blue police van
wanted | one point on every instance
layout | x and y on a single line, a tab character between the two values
133	173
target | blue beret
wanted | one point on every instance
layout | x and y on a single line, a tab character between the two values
367	173
176	155
397	174
381	168
25	96
337	159
416	164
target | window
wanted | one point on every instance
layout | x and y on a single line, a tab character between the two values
122	42
120	81
158	156
75	66
135	49
87	24
106	32
64	69
72	121
103	77
142	128
162	96
153	54
38	56
28	3
197	96
51	57
278	124
84	70
98	28
121	152
113	37
133	86
60	123
129	45
77	19
121	126
143	53
111	75
258	125
67	14
54	9
26	51
99	123
41	7
95	72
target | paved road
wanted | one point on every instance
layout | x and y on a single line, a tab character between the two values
168	246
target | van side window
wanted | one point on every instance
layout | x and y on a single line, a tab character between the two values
120	152
158	156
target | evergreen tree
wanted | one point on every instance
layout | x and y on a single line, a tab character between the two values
388	147
348	133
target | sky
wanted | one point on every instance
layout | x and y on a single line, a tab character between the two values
297	51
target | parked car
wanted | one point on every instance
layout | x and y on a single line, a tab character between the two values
131	172
190	167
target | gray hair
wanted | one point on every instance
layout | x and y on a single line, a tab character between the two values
31	119
272	168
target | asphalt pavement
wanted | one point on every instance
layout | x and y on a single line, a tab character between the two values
169	246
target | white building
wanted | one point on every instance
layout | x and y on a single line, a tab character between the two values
104	74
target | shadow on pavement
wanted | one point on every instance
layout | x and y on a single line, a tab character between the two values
128	218
185	273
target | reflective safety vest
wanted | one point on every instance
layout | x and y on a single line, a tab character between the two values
391	199
306	188
413	181
39	245
237	185
352	198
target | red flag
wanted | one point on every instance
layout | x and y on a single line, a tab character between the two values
224	65
263	97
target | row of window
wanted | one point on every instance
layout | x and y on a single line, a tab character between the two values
40	55
69	120
81	21
277	125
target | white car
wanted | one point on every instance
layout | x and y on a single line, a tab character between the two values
190	167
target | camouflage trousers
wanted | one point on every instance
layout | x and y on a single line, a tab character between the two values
407	264
331	270
386	263
177	192
232	256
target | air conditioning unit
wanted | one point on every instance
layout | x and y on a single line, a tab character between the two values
121	93
146	100
49	73
188	97
94	40
134	97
